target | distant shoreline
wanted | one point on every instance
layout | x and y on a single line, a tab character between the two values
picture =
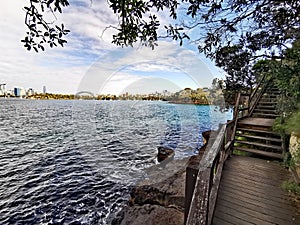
188	103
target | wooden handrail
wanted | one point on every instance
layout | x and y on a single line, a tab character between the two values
207	176
203	179
262	80
257	93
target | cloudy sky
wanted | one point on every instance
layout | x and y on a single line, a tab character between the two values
89	62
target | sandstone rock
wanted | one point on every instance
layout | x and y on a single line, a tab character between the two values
159	199
295	152
150	215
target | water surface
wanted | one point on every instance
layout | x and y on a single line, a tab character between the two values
74	162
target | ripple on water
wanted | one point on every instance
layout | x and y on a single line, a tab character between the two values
74	162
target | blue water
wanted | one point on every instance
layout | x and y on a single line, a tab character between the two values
74	162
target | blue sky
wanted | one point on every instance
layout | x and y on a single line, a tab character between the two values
90	61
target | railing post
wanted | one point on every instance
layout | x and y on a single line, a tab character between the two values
198	214
190	182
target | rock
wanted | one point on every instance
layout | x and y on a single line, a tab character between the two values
150	215
159	199
164	153
295	153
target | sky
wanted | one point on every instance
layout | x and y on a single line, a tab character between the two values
89	62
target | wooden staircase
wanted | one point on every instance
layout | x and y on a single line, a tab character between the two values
254	133
266	107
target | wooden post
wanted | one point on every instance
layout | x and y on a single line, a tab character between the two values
190	182
198	214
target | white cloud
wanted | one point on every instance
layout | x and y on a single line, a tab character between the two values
76	66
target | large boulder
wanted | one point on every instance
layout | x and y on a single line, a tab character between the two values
150	215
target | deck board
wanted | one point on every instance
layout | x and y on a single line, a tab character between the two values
250	193
264	122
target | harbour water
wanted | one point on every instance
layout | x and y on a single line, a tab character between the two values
74	162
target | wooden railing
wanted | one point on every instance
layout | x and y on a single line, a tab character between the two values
203	178
257	93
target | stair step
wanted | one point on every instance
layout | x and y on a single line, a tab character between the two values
267	111
268	100
265	107
267	103
268	95
259	152
264	115
258	131
259	137
260	144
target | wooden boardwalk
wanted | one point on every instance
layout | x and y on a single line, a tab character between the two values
250	193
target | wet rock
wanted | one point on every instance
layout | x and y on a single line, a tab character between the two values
150	215
159	199
164	153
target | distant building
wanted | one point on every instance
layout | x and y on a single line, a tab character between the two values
30	92
17	92
23	92
3	90
44	90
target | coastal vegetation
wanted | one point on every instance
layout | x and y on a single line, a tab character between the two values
202	96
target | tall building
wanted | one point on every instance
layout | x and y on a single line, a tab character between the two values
44	90
17	92
3	90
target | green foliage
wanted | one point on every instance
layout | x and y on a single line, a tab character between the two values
293	123
241	153
291	187
288	161
41	32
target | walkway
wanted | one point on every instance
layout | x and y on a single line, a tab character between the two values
250	193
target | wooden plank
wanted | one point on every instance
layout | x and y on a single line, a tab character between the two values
257	131
255	186
219	221
269	182
250	193
229	218
264	122
259	137
261	197
241	213
260	152
254	200
276	212
265	115
254	216
259	144
266	171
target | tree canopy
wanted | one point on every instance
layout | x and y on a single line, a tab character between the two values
233	33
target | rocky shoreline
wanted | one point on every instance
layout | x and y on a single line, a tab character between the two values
159	199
